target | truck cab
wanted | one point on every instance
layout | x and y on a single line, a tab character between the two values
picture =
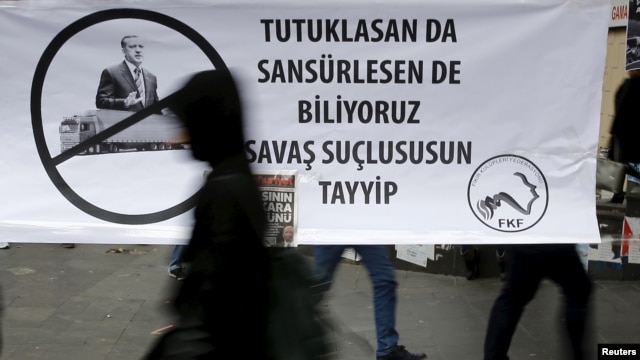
76	129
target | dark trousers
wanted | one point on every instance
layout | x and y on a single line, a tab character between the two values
527	266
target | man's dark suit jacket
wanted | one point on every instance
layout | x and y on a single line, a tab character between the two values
116	82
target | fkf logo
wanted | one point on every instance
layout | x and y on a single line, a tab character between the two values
510	223
508	193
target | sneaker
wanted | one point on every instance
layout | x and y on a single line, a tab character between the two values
177	274
68	245
4	245
401	353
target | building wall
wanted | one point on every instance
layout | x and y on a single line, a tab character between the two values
614	74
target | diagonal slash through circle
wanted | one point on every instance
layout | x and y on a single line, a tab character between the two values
50	163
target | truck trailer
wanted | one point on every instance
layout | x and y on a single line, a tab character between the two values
155	132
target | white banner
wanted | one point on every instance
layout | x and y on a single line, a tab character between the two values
407	122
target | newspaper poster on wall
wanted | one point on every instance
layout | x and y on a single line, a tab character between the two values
632	237
624	249
415	254
632	57
278	192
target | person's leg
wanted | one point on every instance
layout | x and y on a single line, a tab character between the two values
501	259
176	269
568	271
521	283
383	279
1	319
326	258
470	257
175	262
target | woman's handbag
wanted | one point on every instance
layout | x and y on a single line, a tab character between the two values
610	175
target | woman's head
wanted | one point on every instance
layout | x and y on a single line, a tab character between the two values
209	106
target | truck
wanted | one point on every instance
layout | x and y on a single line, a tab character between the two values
155	132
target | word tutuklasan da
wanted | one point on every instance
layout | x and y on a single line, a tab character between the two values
364	30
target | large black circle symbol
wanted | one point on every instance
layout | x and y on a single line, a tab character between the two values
36	109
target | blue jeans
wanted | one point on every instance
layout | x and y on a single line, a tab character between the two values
176	257
636	167
382	275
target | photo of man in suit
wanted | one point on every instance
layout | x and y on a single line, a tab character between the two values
127	86
287	235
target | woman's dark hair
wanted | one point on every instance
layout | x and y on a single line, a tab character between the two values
209	106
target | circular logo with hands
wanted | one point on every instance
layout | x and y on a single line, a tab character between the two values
508	193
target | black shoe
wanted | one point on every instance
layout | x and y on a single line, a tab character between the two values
177	274
68	245
400	353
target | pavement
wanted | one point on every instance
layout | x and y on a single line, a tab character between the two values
110	302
